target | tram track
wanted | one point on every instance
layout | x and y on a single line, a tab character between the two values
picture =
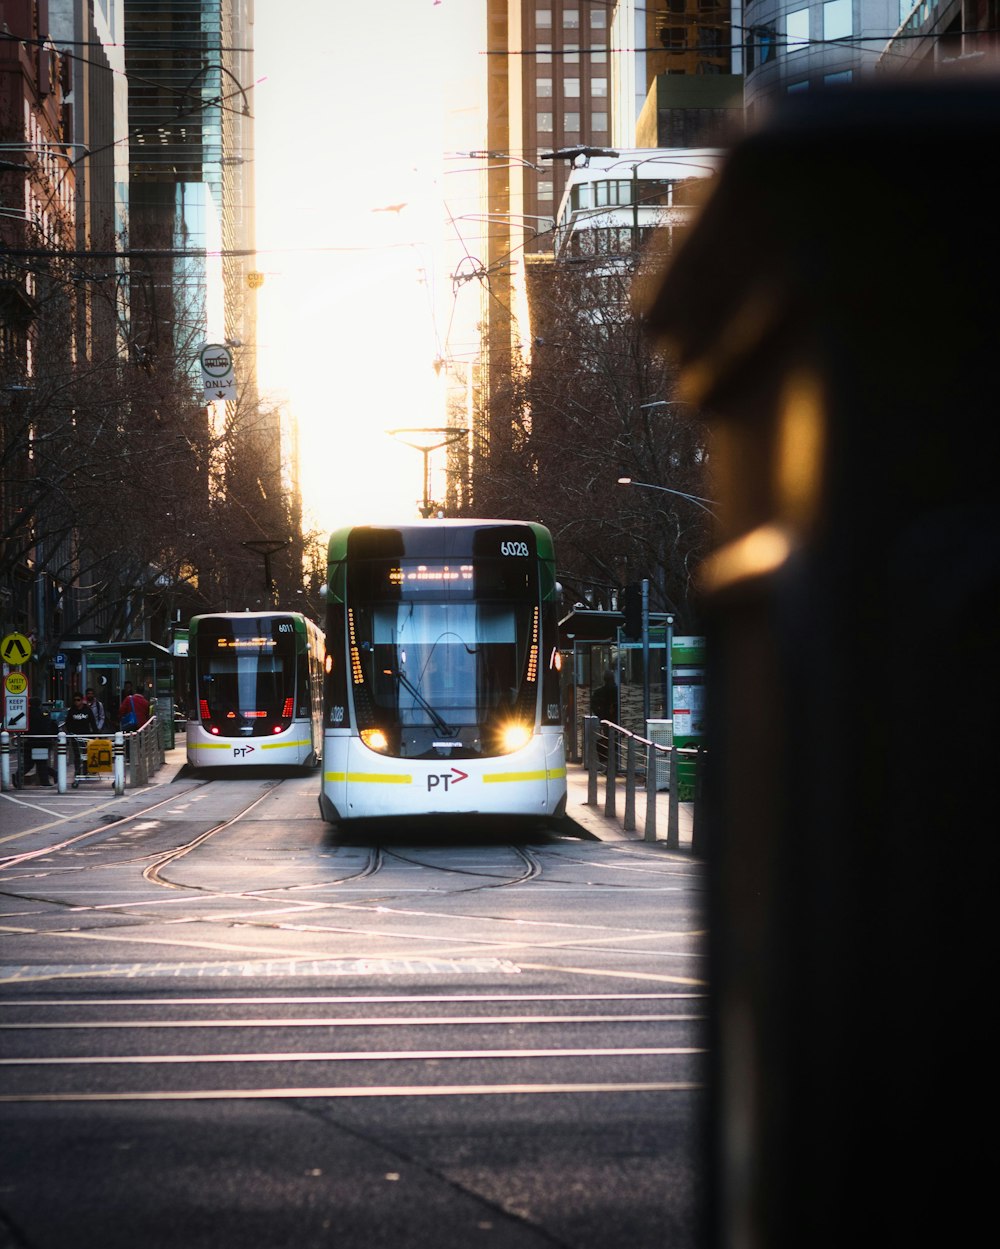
283	909
154	1048
105	828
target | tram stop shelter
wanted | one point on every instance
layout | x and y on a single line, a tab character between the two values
592	641
107	666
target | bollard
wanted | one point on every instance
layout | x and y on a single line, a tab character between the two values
590	755
673	809
652	764
697	830
4	760
118	763
628	820
61	761
611	780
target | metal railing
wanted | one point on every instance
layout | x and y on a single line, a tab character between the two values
134	757
635	759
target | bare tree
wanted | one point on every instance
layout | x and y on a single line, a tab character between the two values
598	403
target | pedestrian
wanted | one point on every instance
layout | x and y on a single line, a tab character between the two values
79	722
604	705
40	722
134	711
97	710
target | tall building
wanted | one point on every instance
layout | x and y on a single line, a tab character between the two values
659	49
547	91
794	46
176	101
92	32
190	71
943	33
37	241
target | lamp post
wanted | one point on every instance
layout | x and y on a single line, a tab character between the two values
266	547
691	498
427	507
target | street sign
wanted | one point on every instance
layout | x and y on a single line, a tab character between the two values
15	712
217	372
16	683
15	649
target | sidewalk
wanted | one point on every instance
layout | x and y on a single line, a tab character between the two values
607	828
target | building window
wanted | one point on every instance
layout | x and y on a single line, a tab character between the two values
543	88
795	87
571	54
599	86
571	19
761	47
580	196
598	19
845	75
610	193
571	121
571	88
543	17
544	122
544	188
797	30
599	121
598	57
544	56
838	19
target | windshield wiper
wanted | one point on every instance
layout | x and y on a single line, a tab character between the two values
441	725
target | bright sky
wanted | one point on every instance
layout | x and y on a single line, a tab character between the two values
359	105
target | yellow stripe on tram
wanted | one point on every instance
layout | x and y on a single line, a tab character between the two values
369	778
276	745
546	774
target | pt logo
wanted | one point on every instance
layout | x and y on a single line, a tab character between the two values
241	752
446	779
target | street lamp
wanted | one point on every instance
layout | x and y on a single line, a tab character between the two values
692	498
427	507
266	547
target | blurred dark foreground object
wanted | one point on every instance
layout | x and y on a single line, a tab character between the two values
835	311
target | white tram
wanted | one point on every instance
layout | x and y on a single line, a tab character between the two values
256	690
442	690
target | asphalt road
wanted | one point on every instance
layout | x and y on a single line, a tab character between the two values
221	1024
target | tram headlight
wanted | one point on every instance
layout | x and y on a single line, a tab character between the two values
375	739
514	736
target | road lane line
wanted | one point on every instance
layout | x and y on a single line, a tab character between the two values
334	1093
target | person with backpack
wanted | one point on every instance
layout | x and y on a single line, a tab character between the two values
134	711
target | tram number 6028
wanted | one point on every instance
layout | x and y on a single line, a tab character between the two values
514	548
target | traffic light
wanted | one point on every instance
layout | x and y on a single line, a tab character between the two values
632	607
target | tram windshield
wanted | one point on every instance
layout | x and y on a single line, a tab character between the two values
245	675
447	655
